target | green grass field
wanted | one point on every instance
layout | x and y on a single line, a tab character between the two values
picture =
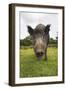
31	67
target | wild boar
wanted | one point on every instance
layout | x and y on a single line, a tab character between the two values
40	37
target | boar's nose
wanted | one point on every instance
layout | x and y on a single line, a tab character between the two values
39	54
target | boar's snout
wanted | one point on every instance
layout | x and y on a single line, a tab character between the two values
39	54
39	48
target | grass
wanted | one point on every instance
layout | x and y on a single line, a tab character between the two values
31	67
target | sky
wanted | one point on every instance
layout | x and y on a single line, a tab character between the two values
33	19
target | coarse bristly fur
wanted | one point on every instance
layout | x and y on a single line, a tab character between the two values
40	36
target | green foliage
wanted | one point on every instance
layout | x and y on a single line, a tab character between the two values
30	66
52	41
28	42
25	42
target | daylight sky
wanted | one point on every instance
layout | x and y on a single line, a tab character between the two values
33	19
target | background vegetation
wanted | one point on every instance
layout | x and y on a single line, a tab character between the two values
28	42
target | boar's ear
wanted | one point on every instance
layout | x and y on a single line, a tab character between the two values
30	30
47	28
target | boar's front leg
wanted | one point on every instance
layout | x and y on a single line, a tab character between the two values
46	56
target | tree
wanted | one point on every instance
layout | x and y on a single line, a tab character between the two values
26	42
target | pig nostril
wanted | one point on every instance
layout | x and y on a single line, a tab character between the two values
41	53
38	53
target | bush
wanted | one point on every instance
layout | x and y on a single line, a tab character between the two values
25	42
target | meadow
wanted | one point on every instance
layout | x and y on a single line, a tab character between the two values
30	66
